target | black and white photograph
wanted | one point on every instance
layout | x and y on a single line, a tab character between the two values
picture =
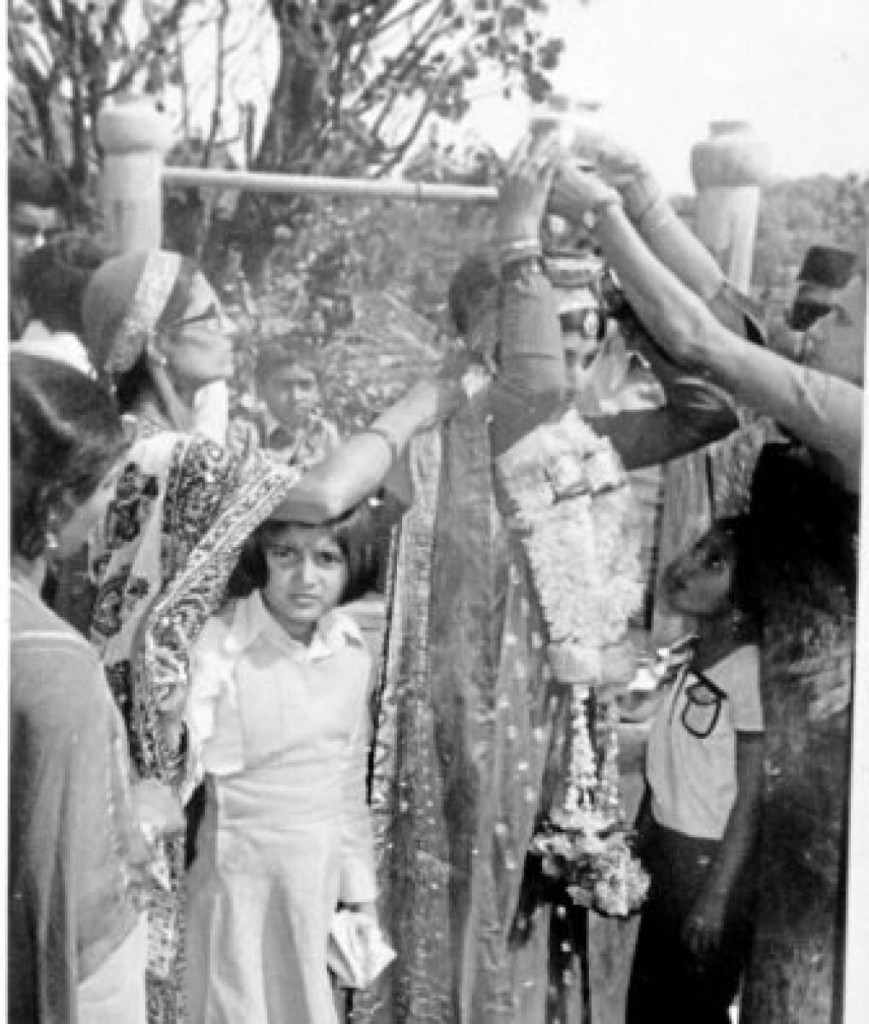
434	447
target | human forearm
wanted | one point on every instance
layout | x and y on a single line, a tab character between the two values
532	377
679	249
825	412
648	209
358	467
741	831
648	437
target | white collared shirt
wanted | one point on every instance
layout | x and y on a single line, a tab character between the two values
246	632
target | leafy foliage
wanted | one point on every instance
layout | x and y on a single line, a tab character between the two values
67	57
366	285
359	79
798	213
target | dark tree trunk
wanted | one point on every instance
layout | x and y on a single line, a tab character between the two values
291	139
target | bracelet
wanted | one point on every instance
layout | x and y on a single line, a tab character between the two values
518	243
518	249
520	257
516	269
394	450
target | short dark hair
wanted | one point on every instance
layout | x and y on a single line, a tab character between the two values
65	433
475	277
37	183
55	276
354	534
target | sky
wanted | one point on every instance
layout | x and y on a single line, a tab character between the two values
797	70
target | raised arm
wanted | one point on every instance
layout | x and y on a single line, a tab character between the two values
532	375
823	410
357	467
651	214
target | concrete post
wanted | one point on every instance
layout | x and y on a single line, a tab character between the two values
134	136
728	169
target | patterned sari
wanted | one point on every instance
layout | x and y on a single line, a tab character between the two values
468	721
182	510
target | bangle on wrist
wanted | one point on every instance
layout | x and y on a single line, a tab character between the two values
524	266
519	242
394	450
520	250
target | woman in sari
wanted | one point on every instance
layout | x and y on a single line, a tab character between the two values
77	851
804	511
183	507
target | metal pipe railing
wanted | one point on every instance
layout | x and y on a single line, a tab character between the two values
302	184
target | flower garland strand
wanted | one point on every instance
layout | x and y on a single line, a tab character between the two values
575	514
572	504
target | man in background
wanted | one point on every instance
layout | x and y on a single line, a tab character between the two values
39	196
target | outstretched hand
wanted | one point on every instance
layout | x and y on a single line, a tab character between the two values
576	189
617	165
704	926
524	192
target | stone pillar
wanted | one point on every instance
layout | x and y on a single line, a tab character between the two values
134	136
728	169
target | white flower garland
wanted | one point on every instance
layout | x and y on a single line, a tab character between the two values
571	500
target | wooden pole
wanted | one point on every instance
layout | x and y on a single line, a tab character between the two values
302	184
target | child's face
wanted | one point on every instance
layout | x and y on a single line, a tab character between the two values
292	393
307	573
699	581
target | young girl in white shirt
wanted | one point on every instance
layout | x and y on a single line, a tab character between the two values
279	722
698	822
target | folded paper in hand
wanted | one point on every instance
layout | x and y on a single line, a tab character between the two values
357	951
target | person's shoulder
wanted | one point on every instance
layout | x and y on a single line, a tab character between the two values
56	678
740	667
34	627
342	632
219	625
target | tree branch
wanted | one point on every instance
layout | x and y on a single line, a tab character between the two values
217	108
157	34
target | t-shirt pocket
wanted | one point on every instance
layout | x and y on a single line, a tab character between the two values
703	706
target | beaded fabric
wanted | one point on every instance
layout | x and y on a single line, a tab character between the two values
183	508
152	293
467	752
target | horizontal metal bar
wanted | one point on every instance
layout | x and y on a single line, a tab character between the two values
303	184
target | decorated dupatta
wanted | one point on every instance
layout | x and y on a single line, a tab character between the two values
183	508
466	721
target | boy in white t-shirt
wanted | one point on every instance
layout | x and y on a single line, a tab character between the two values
698	821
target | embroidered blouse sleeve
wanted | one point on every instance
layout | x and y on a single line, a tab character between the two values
358	884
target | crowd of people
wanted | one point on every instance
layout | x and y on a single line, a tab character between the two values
225	806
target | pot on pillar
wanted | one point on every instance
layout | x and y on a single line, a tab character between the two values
728	169
134	136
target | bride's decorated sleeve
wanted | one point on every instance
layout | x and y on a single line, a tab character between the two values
532	375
